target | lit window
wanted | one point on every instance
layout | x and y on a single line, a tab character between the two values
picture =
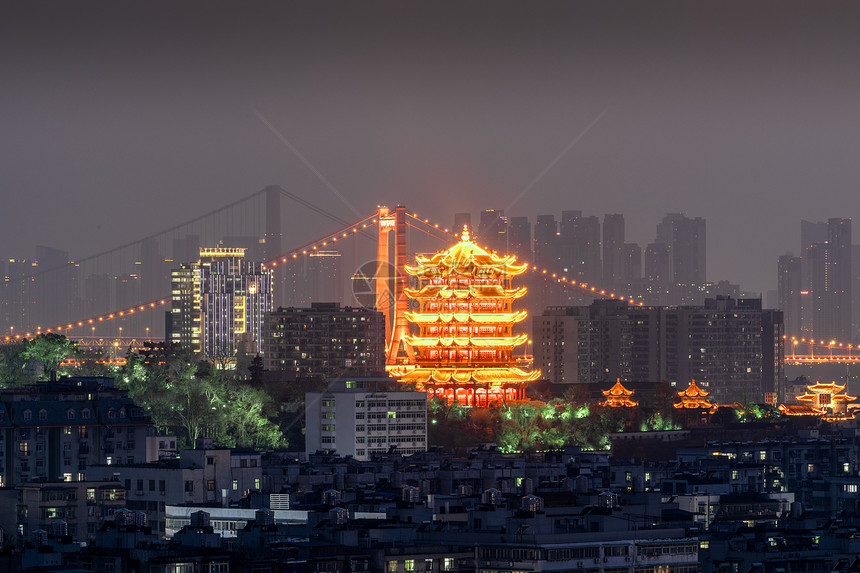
409	565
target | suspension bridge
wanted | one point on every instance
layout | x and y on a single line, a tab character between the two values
116	299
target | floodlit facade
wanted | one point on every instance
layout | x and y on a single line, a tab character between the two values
464	349
218	303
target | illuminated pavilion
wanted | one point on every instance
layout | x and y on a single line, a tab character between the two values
464	349
827	400
618	397
694	398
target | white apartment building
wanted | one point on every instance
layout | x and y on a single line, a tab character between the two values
365	416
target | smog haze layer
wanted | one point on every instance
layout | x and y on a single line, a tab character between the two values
120	121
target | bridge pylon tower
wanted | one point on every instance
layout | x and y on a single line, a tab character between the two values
392	302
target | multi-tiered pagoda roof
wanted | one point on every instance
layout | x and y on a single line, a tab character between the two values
464	348
694	397
618	397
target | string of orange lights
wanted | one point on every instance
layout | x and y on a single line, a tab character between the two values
310	247
822	344
583	287
332	238
447	234
91	321
443	234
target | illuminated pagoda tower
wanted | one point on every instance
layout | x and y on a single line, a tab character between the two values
618	397
694	398
827	400
464	349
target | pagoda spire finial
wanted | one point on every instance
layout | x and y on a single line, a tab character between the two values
465	236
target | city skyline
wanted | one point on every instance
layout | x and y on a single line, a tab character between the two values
737	115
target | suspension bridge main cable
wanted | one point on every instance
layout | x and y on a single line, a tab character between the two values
148	237
151	304
321	211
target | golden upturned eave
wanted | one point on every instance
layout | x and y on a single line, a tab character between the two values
465	258
478	342
474	291
466	317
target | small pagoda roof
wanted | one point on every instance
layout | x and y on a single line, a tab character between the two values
825	388
799	410
693	391
693	397
618	397
833	397
617	390
813	391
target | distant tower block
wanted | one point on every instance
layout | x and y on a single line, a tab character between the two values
465	348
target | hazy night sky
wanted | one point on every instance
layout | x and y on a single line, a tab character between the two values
116	122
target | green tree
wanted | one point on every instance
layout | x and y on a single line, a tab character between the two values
49	350
13	365
194	400
247	423
520	427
